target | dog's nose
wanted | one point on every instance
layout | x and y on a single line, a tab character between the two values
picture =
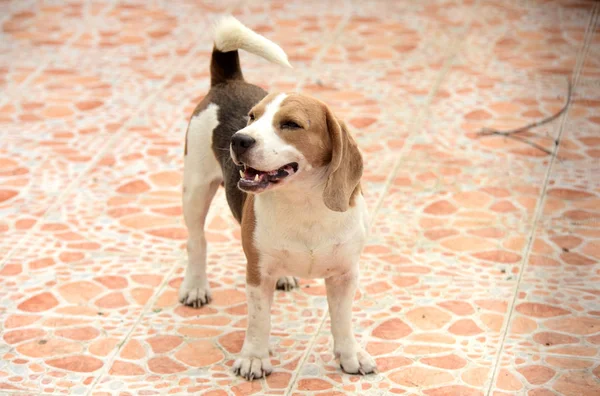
240	143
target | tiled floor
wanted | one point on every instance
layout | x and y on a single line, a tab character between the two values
482	273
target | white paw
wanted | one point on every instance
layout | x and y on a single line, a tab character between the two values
194	294
252	368
287	283
357	361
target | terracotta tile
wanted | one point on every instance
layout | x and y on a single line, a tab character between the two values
420	322
539	374
93	113
177	340
72	287
553	319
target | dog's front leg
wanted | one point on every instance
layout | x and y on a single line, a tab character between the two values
254	361
340	294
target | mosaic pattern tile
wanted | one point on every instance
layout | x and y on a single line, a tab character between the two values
481	272
538	374
65	313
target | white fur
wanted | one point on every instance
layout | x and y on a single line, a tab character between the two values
231	35
201	178
254	361
340	295
270	151
300	236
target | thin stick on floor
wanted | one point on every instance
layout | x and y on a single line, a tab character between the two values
513	133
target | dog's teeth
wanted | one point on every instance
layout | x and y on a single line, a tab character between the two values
256	178
241	174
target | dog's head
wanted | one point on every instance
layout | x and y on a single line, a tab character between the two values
295	137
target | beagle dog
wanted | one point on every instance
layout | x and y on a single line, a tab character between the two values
291	172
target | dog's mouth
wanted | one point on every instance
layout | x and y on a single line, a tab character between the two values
254	180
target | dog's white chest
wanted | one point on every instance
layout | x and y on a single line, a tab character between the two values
308	245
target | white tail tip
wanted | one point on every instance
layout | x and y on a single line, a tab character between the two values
231	35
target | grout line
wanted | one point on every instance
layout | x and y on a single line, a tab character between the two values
319	57
108	362
538	212
414	123
180	256
336	33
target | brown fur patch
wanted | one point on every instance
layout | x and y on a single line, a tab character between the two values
260	107
313	139
346	168
248	225
224	67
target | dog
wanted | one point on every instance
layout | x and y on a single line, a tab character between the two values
291	172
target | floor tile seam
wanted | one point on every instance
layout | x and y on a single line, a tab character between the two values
147	307
306	354
315	64
420	114
517	352
593	30
417	119
19	90
110	142
538	213
179	257
415	122
317	61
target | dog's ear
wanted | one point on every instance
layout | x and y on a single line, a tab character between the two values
345	168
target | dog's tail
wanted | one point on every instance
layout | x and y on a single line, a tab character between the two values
231	35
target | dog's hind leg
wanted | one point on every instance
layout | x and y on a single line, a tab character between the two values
287	283
201	178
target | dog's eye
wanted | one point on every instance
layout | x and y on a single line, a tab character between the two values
251	116
289	125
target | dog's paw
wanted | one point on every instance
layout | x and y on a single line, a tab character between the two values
358	362
252	368
194	295
287	283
